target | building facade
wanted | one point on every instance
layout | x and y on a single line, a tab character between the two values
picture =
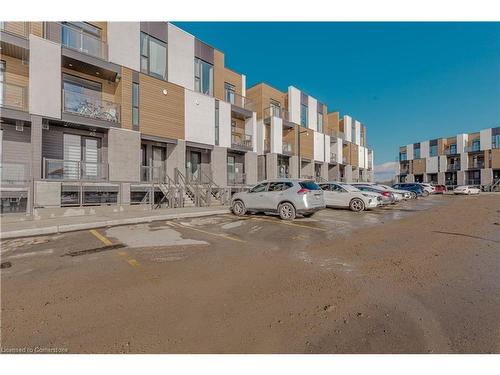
97	113
464	159
298	137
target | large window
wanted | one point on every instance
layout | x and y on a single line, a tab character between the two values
82	36
402	156
153	57
433	151
495	141
304	114
229	92
135	104
416	153
203	77
320	122
476	145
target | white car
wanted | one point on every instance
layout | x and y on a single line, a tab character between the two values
466	189
431	189
337	194
396	195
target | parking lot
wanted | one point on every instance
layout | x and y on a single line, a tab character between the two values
421	276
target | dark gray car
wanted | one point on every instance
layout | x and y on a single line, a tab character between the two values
287	197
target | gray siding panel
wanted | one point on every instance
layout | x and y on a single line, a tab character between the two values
203	51
157	30
16	146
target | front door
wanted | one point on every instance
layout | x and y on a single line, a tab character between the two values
231	175
158	162
194	167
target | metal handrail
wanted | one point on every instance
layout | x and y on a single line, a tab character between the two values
13	96
90	106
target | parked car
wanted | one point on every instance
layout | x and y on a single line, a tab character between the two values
466	189
397	196
386	196
414	187
430	188
287	197
337	194
439	189
405	194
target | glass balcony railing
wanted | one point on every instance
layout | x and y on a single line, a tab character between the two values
238	100
287	148
13	96
450	151
90	106
14	173
472	148
453	167
152	173
75	39
56	169
333	158
276	112
242	140
16	28
334	134
476	164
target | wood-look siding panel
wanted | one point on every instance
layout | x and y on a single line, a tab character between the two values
354	155
333	122
16	146
17	28
159	114
239	125
495	158
234	79
441	146
219	74
36	28
262	94
15	94
125	93
346	152
290	136
419	166
307	144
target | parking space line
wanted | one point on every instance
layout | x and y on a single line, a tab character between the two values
225	236
287	223
106	241
129	260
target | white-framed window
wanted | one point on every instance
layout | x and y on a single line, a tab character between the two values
304	114
135	104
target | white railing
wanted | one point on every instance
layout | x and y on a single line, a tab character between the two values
90	106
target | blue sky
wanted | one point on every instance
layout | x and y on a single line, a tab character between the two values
405	81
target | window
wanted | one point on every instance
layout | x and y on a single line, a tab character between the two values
495	141
303	115
275	107
433	150
476	145
229	91
320	122
416	152
83	37
153	57
279	186
216	122
203	77
259	188
453	148
135	104
402	156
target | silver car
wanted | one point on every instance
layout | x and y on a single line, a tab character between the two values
287	197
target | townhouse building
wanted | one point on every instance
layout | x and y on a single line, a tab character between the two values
298	137
91	112
464	159
98	113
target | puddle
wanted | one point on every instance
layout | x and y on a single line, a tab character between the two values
143	236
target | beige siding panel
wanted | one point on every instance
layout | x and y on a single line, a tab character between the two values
125	91
290	136
17	75
333	122
159	114
307	144
36	28
234	79
354	154
219	75
419	166
495	158
262	94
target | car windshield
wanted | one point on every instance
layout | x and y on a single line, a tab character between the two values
310	185
349	187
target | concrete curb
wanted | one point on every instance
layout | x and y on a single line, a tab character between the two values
64	228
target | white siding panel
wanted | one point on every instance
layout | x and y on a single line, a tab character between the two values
313	113
180	57
200	118
124	44
294	104
485	139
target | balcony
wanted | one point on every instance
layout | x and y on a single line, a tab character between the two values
334	134
243	141
76	40
476	164
90	106
333	157
21	29
450	151
238	100
472	148
13	96
55	169
453	167
276	112
287	148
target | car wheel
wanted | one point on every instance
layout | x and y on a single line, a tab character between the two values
469	192
357	205
413	195
425	193
286	211
239	208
